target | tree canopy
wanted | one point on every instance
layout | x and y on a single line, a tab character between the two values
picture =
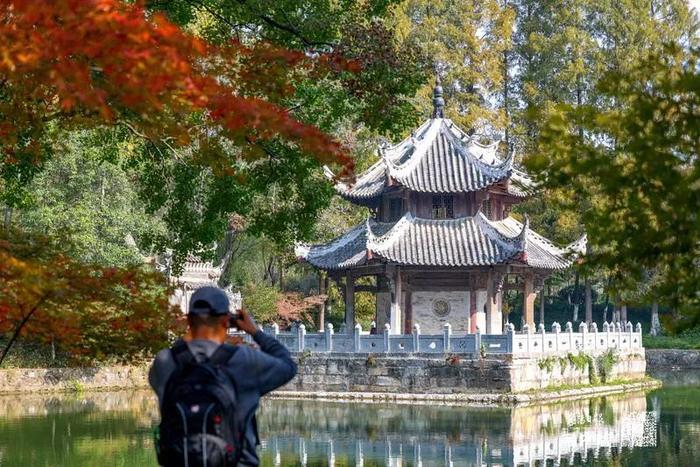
639	163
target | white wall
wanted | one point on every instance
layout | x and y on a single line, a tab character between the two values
430	323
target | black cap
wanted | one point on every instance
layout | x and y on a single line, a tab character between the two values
209	301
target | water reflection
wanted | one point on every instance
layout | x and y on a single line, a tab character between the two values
105	429
352	434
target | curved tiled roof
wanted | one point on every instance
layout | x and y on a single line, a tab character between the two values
462	242
443	163
368	186
466	241
541	253
437	158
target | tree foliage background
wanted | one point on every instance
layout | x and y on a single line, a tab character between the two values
129	129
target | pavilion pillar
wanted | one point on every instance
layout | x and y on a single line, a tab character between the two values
349	303
408	311
529	300
542	305
623	313
472	309
395	317
493	321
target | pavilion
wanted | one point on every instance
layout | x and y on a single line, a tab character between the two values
440	242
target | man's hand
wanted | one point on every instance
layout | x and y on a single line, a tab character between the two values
245	322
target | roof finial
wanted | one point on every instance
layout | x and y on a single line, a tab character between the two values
438	101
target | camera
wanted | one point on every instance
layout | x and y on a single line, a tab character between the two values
232	318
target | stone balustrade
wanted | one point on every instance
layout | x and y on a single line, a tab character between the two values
527	342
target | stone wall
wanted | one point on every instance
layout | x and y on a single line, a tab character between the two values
21	380
362	372
671	358
429	373
551	372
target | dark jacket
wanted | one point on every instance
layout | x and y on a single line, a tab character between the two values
256	373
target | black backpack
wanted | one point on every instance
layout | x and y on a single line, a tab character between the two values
200	425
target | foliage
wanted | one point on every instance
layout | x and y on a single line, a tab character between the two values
200	122
33	355
639	162
101	61
604	363
261	301
580	361
371	361
688	339
291	307
547	363
466	41
88	311
90	201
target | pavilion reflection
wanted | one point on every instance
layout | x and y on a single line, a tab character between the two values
335	434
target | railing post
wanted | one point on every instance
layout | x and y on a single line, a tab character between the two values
510	332
477	342
629	329
301	332
618	328
275	330
416	337
583	330
446	333
570	331
526	330
387	331
594	330
541	332
638	329
556	329
357	335
329	337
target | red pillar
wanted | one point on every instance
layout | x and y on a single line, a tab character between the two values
472	311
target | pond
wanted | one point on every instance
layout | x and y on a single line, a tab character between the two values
658	428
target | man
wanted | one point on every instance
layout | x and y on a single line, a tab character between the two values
254	372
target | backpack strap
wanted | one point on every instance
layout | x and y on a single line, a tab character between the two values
223	354
182	354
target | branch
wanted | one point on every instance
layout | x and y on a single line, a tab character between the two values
7	348
294	31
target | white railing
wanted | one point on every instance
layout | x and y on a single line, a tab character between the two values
528	342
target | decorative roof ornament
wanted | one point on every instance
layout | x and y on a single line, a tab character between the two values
438	101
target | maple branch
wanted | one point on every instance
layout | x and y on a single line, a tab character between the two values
19	327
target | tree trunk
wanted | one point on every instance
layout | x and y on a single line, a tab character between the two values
8	218
575	298
589	302
322	287
655	323
281	274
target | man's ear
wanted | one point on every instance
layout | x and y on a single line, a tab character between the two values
223	322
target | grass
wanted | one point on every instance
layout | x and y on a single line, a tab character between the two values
672	342
614	382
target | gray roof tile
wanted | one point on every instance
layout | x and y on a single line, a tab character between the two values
437	158
462	242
